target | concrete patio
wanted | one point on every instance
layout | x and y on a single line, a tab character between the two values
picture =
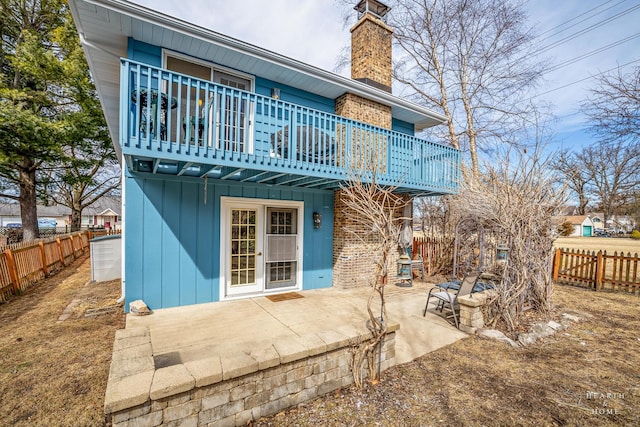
195	332
228	363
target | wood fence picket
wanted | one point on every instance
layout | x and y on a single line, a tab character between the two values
26	263
597	271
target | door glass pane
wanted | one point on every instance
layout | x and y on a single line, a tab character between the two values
243	244
232	112
281	272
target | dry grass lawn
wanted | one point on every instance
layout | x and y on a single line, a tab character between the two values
609	244
55	373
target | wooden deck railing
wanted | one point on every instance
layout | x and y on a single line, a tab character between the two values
177	124
23	264
597	271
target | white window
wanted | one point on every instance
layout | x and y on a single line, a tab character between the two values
228	112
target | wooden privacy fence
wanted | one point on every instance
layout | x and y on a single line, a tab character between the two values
597	271
23	264
433	250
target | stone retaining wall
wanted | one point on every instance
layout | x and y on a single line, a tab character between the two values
229	390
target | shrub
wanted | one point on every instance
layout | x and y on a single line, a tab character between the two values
635	234
565	229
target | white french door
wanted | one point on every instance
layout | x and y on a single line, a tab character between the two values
245	250
260	246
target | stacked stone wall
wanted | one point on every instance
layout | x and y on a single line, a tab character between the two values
229	390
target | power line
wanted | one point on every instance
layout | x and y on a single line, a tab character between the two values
586	30
578	16
581	80
593	52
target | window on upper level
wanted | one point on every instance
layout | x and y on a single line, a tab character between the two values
228	113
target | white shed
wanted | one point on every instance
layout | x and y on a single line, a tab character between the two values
582	225
106	258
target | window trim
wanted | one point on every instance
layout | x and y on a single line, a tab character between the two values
228	201
231	72
214	67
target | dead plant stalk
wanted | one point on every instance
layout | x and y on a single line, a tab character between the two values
373	212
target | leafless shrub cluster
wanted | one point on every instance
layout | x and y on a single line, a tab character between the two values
376	210
516	198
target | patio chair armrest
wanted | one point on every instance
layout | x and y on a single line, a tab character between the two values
435	289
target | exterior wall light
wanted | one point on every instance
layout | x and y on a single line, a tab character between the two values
317	220
275	93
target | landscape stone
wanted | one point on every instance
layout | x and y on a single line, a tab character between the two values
138	308
570	317
554	325
266	357
170	381
333	339
205	371
494	334
542	330
290	349
527	339
237	364
127	392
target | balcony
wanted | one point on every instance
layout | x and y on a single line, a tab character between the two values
178	125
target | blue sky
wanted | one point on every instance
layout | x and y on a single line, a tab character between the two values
312	31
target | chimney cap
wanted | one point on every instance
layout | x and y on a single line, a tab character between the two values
374	7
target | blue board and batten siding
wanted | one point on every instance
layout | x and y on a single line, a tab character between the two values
172	240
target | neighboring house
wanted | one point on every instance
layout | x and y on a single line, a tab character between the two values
598	222
582	225
10	214
233	156
103	213
616	223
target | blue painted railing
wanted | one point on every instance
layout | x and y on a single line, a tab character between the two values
176	117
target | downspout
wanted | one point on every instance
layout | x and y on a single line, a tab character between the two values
123	201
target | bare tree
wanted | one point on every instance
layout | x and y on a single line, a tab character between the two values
516	197
90	173
576	177
614	106
613	171
377	209
472	60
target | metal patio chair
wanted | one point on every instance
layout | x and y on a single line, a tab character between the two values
447	300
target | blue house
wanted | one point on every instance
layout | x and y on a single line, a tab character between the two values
233	156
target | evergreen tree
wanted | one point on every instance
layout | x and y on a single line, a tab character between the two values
49	112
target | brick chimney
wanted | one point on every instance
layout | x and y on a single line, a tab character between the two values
371	45
370	64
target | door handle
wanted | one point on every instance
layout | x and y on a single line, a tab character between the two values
259	254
